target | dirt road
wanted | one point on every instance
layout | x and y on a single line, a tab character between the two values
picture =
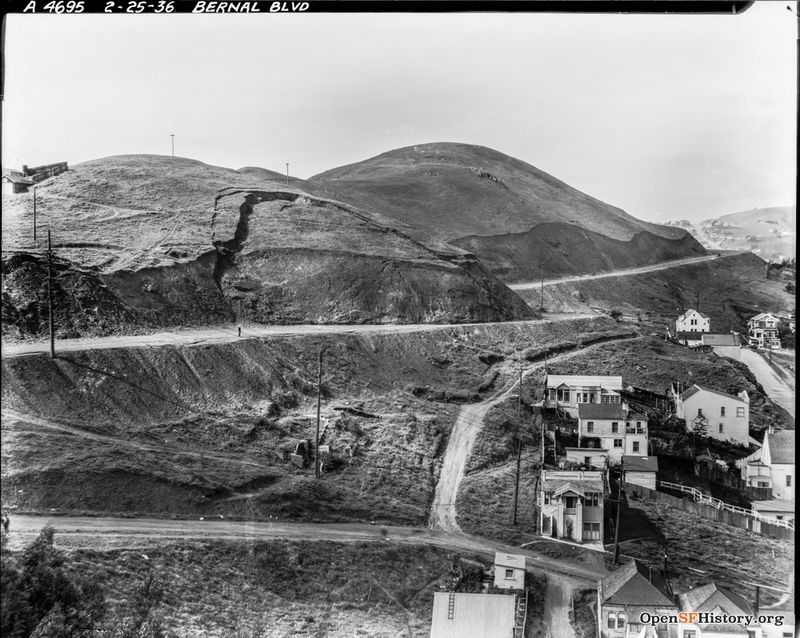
556	605
99	533
777	380
228	333
528	285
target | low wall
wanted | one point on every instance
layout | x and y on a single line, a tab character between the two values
712	513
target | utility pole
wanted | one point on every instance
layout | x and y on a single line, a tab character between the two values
758	599
287	173
619	507
50	296
173	144
34	214
319	402
541	303
519	445
541	423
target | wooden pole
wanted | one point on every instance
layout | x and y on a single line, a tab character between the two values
50	296
541	303
619	508
319	402
519	446
34	214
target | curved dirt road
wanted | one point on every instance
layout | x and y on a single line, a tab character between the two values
779	388
97	533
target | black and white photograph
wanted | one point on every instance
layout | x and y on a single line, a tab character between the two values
398	320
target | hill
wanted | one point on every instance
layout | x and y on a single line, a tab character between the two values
144	241
770	233
511	214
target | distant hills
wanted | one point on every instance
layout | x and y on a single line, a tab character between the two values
514	217
770	233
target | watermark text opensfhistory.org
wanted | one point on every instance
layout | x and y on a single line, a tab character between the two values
710	618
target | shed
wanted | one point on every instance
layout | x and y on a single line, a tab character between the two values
641	470
509	571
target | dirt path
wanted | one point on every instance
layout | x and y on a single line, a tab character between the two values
228	333
556	605
779	388
468	424
104	533
529	285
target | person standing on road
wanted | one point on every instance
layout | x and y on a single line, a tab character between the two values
240	331
6	522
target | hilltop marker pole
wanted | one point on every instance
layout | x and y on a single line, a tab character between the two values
50	296
519	446
319	401
34	214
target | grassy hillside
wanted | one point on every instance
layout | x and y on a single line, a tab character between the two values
146	241
502	209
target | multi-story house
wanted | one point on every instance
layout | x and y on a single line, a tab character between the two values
620	432
571	505
726	417
693	321
623	596
567	392
763	331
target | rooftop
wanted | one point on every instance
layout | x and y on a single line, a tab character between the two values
509	560
636	584
640	463
696	388
601	411
781	446
773	505
728	339
607	382
708	597
488	615
692	311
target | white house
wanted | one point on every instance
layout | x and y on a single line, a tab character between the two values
724	345
713	599
571	505
763	331
641	470
568	391
693	321
509	571
727	416
591	457
620	432
456	615
777	453
776	508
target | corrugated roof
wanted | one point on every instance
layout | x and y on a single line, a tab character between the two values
609	382
781	446
728	339
640	463
696	388
635	584
601	411
509	560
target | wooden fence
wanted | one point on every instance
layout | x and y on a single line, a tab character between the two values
743	519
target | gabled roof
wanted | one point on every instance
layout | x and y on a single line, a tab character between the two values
761	316
601	411
728	339
640	463
691	311
781	446
708	597
773	505
635	584
17	179
696	388
572	380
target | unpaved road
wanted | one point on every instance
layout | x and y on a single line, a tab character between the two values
556	605
228	333
529	285
778	385
99	533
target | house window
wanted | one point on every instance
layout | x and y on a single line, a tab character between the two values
691	634
763	483
612	620
638	424
720	427
592	499
620	621
590	426
739	411
546	498
569	502
722	411
591	531
509	574
634	628
699	411
779	516
636	446
788	481
587	460
617	442
546	525
614	427
750	633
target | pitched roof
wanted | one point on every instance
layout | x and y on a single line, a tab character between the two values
635	584
696	388
773	505
606	382
762	315
640	463
728	339
690	311
781	446
700	599
601	411
563	485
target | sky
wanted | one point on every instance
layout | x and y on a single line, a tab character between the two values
665	116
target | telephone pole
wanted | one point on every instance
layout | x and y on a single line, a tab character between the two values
287	173
519	445
173	144
541	303
34	214
319	402
619	508
50	296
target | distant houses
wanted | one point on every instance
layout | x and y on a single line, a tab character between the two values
567	392
693	321
571	505
763	331
726	416
19	181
